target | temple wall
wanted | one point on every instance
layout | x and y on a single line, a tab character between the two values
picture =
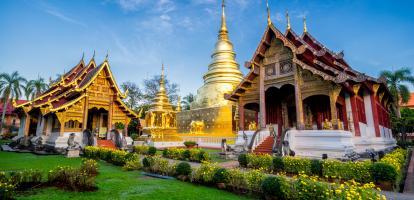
218	121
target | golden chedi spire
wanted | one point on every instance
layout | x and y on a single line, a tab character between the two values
161	101
223	72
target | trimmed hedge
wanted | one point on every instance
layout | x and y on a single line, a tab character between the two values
389	168
194	154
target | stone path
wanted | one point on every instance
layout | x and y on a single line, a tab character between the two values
409	181
227	164
398	196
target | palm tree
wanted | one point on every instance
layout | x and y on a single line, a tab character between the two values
39	85
395	83
28	91
10	87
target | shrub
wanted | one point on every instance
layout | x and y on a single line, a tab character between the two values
71	179
118	157
183	168
221	176
26	178
6	190
133	163
306	187
296	165
89	166
278	165
384	172
186	155
263	161
237	179
205	173
275	186
316	167
203	156
146	162
359	171
141	150
242	160
91	152
160	165
254	179
152	151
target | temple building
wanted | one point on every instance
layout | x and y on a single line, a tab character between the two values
86	97
210	113
296	83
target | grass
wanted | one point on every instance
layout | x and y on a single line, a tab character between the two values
113	183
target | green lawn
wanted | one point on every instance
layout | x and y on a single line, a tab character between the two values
113	183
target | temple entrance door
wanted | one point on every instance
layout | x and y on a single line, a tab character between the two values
288	106
317	110
32	126
98	121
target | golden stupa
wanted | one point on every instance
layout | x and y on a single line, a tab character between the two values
160	119
210	113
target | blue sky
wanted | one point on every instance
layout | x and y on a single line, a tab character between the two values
47	37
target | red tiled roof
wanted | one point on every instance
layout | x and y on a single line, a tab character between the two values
9	107
410	103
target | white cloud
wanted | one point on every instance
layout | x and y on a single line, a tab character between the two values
63	17
130	5
165	6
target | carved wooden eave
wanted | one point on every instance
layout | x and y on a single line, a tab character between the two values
313	70
242	87
129	111
68	104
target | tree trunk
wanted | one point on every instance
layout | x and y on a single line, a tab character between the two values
3	115
398	110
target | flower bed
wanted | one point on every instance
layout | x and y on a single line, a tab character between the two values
257	182
194	154
69	178
389	169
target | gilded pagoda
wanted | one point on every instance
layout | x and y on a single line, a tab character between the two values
210	113
86	97
160	119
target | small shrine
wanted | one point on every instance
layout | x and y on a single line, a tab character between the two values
160	119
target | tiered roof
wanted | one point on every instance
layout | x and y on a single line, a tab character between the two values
71	88
310	54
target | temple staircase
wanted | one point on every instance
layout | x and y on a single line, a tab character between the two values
106	143
264	147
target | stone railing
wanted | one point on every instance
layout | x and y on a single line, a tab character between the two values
258	137
208	141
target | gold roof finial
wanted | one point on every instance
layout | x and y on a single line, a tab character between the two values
305	28
178	108
269	21
223	29
93	56
288	20
107	55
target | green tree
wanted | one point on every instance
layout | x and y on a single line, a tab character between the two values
134	95
28	91
152	85
187	100
396	84
39	85
404	124
10	87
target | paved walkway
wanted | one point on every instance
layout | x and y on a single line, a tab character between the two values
227	164
398	196
409	181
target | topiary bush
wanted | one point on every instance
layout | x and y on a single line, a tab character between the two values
152	151
146	162
186	155
242	160
384	172
278	165
89	166
316	167
274	186
221	176
183	168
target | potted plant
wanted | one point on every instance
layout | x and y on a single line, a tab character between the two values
190	144
119	126
221	178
